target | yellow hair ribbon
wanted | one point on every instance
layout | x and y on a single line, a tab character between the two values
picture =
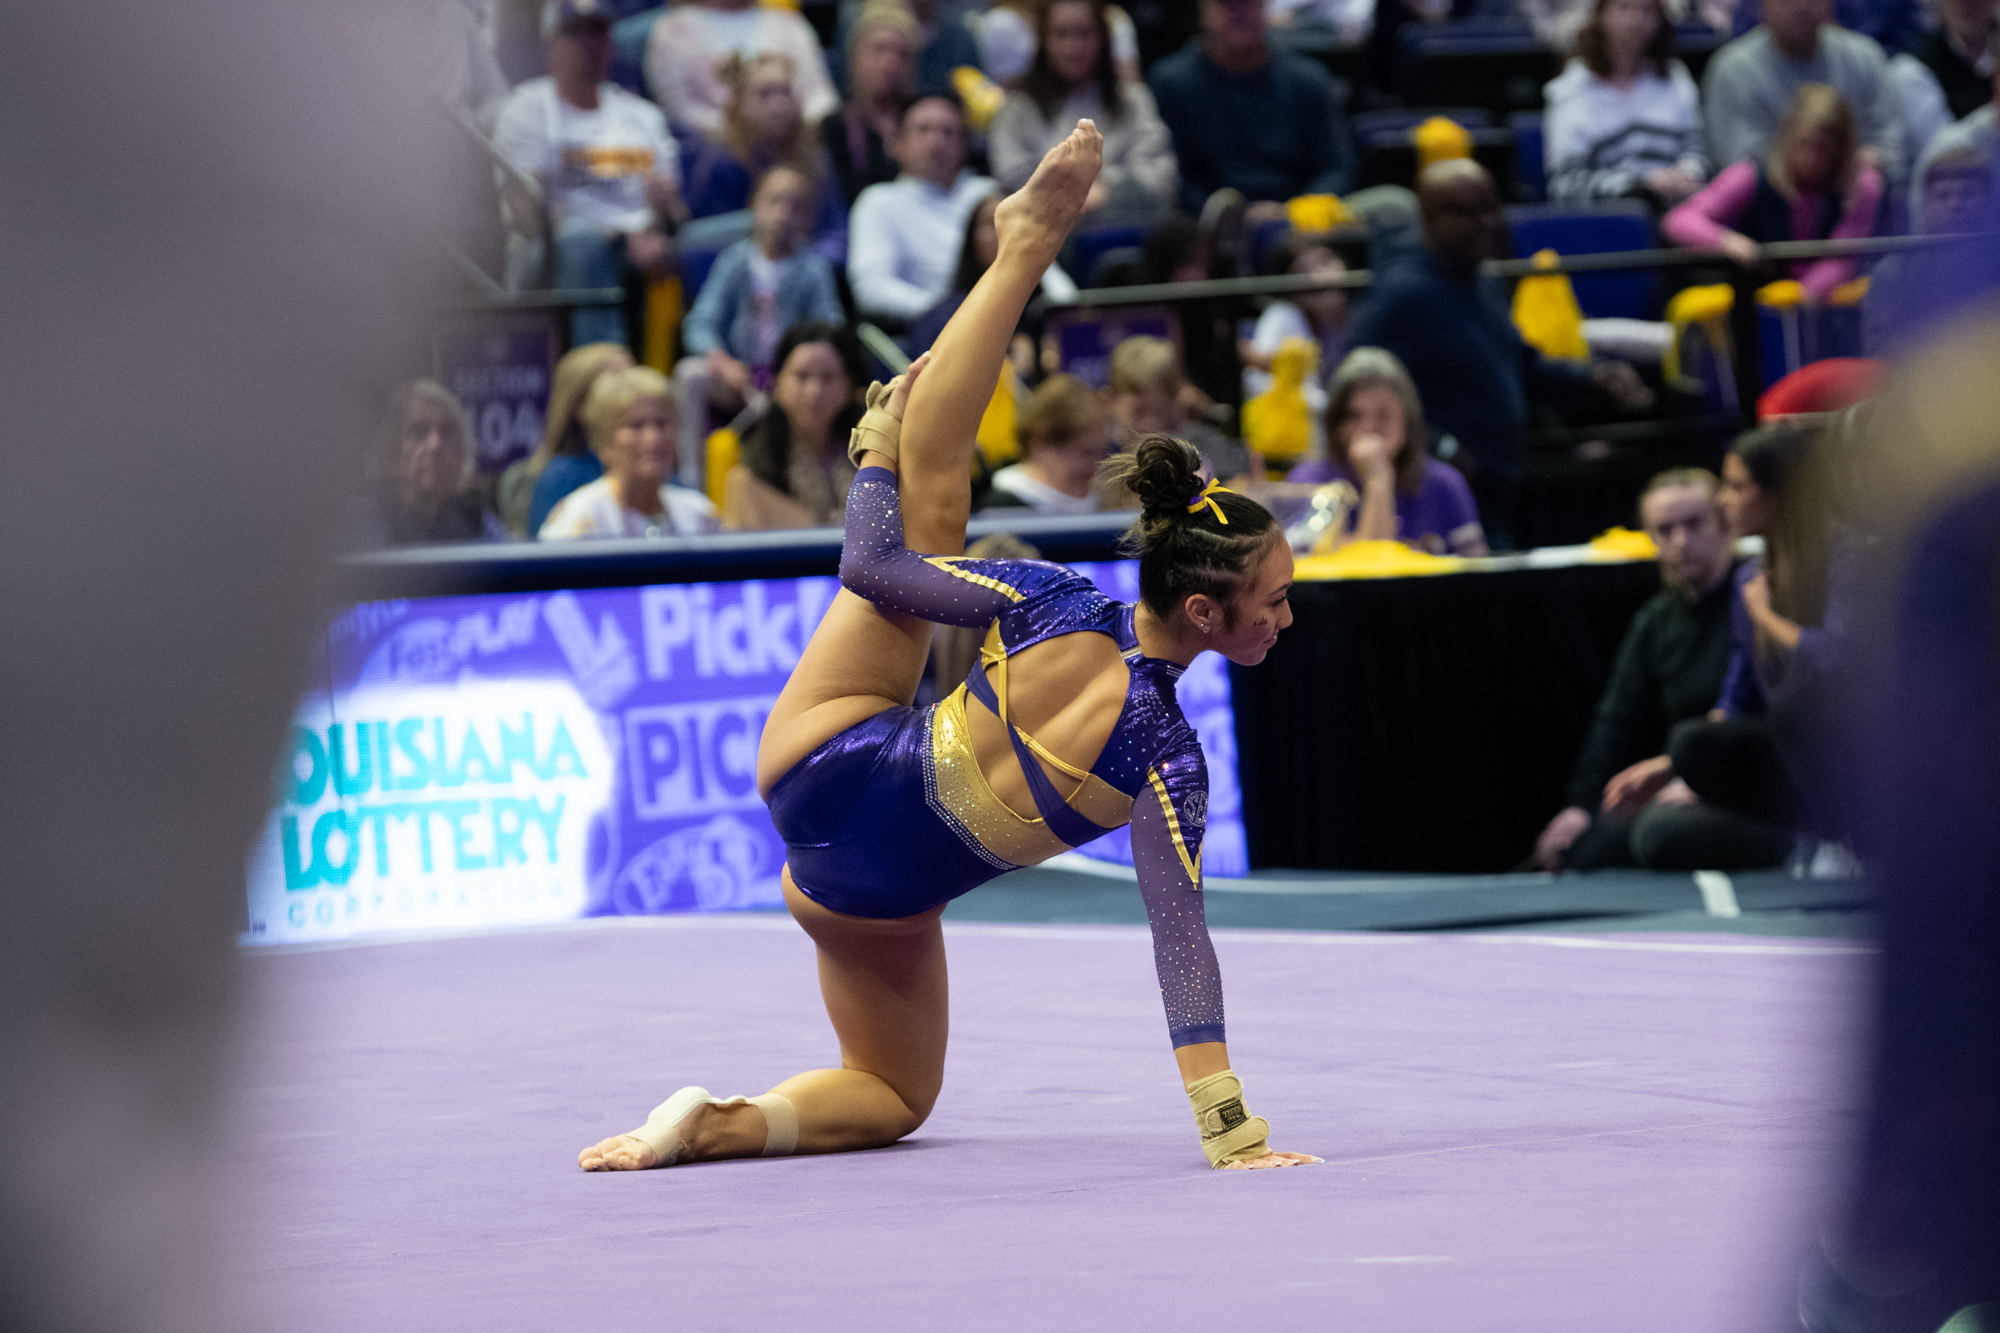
1207	497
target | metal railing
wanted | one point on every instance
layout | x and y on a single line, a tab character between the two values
1744	281
490	293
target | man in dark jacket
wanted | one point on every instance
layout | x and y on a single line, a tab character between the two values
1449	323
1261	121
1669	669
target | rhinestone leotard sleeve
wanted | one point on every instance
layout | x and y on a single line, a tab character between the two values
947	590
1168	818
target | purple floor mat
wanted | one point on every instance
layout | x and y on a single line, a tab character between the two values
1521	1133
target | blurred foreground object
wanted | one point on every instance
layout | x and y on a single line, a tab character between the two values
204	296
1921	1239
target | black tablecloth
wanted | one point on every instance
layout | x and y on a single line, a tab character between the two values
1426	723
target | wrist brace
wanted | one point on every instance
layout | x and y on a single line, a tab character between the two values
878	429
1228	1132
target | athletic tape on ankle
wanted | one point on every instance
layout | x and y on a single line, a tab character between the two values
781	1124
1229	1133
877	430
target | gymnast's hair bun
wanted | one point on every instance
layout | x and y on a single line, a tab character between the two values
1163	472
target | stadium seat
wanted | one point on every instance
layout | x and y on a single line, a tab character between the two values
1531	177
1346	61
1389	158
1090	241
628	49
1402	119
1592	229
1498	64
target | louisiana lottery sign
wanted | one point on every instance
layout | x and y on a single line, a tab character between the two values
511	760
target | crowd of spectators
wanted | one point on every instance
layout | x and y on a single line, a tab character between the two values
855	181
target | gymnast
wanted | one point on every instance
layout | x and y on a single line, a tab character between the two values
890	811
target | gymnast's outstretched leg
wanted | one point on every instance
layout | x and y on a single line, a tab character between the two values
884	981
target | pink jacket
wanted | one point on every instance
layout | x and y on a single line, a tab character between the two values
1702	221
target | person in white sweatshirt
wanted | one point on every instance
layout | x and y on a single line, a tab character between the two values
1624	117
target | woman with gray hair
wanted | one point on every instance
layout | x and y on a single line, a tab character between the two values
631	417
1376	443
416	488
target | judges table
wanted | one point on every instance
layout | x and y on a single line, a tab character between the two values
1428	723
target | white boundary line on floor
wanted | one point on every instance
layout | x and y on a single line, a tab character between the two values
776	921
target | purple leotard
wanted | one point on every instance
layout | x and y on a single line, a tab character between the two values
892	817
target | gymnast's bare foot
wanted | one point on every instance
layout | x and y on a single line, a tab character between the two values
1273	1159
652	1144
621	1152
1034	221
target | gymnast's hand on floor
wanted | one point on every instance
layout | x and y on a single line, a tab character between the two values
1271	1159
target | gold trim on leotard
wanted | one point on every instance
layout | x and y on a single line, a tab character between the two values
949	564
959	794
1193	867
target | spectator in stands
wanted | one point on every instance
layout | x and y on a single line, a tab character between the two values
1751	83
794	471
1624	119
1353	20
945	40
1978	133
881	72
563	460
1065	433
1812	185
1376	444
1727	795
1318	317
1960	54
904	238
606	162
1451	328
758	288
1894	25
693	40
977	251
1558	22
1919	99
630	417
762	129
1072	78
1149	396
1669	669
417	485
1955	195
1247	117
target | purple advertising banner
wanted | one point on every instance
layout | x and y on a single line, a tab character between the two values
502	375
511	759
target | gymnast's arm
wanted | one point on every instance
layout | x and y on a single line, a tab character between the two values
1169	816
1168	820
947	590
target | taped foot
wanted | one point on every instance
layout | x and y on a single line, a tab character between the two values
671	1125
